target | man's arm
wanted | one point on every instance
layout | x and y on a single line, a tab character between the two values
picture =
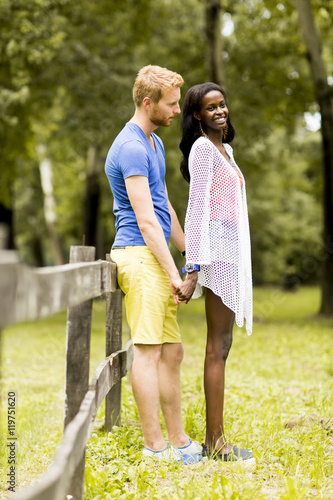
140	198
178	239
177	234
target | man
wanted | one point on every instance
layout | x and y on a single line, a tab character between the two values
147	274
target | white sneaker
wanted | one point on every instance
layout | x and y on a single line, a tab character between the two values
172	455
194	448
169	453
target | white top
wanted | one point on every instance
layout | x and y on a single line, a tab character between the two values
217	231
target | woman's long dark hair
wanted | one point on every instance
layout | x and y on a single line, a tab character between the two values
191	127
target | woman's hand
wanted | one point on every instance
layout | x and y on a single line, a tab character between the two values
188	286
175	285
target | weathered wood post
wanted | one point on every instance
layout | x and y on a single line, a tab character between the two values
77	362
113	344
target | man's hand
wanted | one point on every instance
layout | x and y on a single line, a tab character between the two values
175	285
187	287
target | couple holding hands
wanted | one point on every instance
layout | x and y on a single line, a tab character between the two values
216	245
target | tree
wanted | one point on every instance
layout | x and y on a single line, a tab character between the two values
31	34
324	96
213	27
268	92
46	174
68	71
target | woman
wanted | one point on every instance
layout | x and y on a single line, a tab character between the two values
217	245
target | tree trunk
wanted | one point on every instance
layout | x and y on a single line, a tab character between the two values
91	204
7	231
213	28
45	168
37	250
325	101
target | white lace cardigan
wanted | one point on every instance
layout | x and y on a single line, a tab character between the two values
217	228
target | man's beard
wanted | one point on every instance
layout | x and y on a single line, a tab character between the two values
160	120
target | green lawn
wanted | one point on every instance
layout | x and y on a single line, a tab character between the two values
279	401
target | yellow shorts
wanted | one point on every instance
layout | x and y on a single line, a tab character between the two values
150	308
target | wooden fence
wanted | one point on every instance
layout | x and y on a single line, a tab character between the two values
28	294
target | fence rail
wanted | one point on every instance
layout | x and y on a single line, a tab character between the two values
27	294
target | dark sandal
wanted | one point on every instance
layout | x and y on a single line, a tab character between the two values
240	455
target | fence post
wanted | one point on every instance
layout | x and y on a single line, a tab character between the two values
113	344
77	361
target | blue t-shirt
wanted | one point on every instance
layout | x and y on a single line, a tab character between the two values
131	154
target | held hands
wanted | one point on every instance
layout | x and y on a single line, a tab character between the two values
188	286
183	290
175	284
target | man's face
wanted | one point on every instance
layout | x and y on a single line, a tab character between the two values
167	108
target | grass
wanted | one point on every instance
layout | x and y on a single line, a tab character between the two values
279	402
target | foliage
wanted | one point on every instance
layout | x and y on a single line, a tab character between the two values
67	71
284	213
278	401
269	88
31	35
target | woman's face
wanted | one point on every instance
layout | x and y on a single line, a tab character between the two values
213	112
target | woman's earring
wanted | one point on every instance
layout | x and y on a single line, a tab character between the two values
201	130
225	131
